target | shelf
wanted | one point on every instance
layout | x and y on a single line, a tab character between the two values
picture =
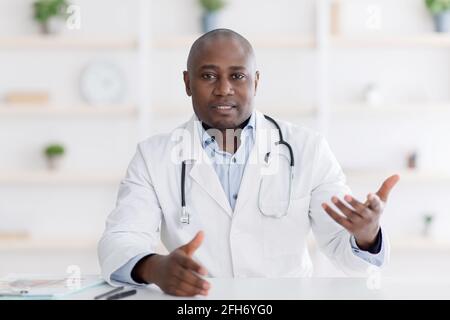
406	176
280	111
57	243
65	42
391	109
418	243
48	244
371	41
60	178
69	111
30	243
273	41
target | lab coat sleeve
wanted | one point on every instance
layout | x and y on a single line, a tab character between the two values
123	274
132	228
329	180
375	259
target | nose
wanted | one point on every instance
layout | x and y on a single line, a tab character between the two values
223	88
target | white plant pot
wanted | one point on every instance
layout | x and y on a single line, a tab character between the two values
54	25
442	21
54	162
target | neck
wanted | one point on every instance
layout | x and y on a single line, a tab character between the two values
231	137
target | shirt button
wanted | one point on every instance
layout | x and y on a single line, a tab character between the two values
234	160
235	196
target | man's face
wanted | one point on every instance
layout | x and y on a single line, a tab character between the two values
222	82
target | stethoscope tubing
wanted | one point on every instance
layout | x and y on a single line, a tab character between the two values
185	215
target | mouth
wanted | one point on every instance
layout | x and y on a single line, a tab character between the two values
223	108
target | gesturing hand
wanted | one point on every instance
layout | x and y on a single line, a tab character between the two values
177	273
362	220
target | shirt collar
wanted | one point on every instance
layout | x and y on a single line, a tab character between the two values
207	140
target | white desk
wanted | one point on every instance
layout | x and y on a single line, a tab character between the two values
293	289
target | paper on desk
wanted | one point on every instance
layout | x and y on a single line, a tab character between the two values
44	286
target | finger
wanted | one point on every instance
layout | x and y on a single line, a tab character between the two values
192	279
189	263
387	186
359	207
181	290
187	288
374	202
349	213
182	293
337	217
194	244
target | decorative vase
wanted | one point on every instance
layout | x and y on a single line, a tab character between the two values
442	21
373	95
209	21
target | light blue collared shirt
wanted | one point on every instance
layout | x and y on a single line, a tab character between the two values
229	167
230	170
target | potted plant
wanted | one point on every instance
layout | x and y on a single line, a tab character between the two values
427	224
440	9
54	154
50	14
210	13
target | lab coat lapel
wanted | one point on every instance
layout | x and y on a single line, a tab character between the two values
253	170
202	171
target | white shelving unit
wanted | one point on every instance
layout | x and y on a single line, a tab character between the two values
37	42
263	42
68	111
339	42
392	109
321	44
410	176
418	41
64	43
60	178
420	243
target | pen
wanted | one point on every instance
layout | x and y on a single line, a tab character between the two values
108	293
20	293
122	295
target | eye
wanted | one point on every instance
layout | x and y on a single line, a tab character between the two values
238	76
208	76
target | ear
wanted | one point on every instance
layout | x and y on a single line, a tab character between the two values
256	81
187	83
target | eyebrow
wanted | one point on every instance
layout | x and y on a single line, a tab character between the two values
212	66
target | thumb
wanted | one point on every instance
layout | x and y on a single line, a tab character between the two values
190	247
387	186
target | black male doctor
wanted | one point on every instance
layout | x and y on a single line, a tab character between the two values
233	193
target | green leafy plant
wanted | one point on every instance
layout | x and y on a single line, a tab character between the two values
46	9
212	5
53	150
428	219
437	6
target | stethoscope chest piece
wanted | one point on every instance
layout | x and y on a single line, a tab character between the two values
184	218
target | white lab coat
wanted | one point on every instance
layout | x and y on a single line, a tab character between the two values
239	243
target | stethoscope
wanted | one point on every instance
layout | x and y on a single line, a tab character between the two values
185	216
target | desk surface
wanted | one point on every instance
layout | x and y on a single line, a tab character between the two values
300	288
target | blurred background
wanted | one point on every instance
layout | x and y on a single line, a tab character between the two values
82	81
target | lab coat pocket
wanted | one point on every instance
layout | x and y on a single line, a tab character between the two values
286	235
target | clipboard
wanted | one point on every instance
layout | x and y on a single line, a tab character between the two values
32	286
